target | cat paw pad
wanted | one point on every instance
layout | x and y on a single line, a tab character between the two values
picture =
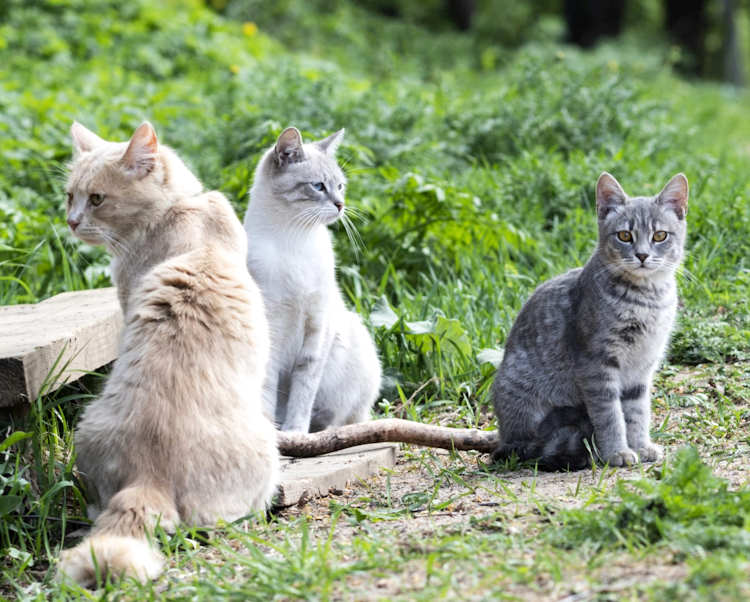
651	453
625	457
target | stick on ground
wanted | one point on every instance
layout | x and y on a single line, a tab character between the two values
305	445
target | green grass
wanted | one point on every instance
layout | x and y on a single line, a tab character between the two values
472	158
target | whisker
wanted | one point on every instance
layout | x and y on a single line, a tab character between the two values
358	214
354	237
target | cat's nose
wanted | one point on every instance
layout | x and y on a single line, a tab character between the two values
73	223
642	256
339	205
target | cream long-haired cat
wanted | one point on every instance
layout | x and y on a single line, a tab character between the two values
178	433
324	368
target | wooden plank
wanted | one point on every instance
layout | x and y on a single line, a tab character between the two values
304	478
58	340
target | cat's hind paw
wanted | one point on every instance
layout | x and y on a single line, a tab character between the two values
651	453
624	457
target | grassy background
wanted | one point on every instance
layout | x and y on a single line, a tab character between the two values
472	157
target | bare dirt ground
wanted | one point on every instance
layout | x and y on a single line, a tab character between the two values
452	493
515	503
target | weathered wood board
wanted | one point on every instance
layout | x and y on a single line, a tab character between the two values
304	478
57	340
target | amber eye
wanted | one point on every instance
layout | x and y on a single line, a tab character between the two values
70	198
96	199
625	236
660	236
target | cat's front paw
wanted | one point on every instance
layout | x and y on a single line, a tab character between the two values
623	457
651	452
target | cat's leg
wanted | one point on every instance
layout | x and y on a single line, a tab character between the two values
602	400
365	364
271	401
351	379
306	375
636	406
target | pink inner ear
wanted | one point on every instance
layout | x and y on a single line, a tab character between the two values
679	204
609	194
675	194
140	155
289	140
145	137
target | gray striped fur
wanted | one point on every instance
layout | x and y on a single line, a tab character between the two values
582	352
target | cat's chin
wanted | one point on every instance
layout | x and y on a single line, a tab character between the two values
89	239
328	220
644	273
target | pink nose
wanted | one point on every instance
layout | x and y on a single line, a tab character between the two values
339	205
73	223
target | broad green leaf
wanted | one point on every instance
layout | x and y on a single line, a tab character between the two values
382	314
8	503
491	356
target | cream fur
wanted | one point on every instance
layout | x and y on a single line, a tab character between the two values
178	433
324	368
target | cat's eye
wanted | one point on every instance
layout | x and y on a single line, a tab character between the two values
625	236
96	199
341	186
70	198
319	186
660	236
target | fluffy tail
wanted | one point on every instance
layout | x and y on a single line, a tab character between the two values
117	545
558	443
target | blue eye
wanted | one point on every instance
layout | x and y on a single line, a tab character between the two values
319	186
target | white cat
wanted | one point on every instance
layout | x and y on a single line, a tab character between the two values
324	369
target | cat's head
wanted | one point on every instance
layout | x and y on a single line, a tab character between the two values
642	237
117	188
302	180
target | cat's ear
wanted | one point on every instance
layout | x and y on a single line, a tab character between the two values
609	195
84	139
288	148
675	195
140	157
331	143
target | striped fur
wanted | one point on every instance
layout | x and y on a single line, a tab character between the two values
581	355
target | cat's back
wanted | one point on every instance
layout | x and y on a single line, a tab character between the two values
536	369
199	308
205	221
544	318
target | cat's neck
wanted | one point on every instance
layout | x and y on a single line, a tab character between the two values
287	259
203	221
133	258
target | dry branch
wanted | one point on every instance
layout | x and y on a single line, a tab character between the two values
304	445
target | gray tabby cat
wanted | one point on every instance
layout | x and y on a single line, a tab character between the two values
582	353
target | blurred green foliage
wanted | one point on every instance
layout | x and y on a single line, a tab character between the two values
475	176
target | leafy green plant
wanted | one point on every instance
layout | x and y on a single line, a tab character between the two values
686	506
